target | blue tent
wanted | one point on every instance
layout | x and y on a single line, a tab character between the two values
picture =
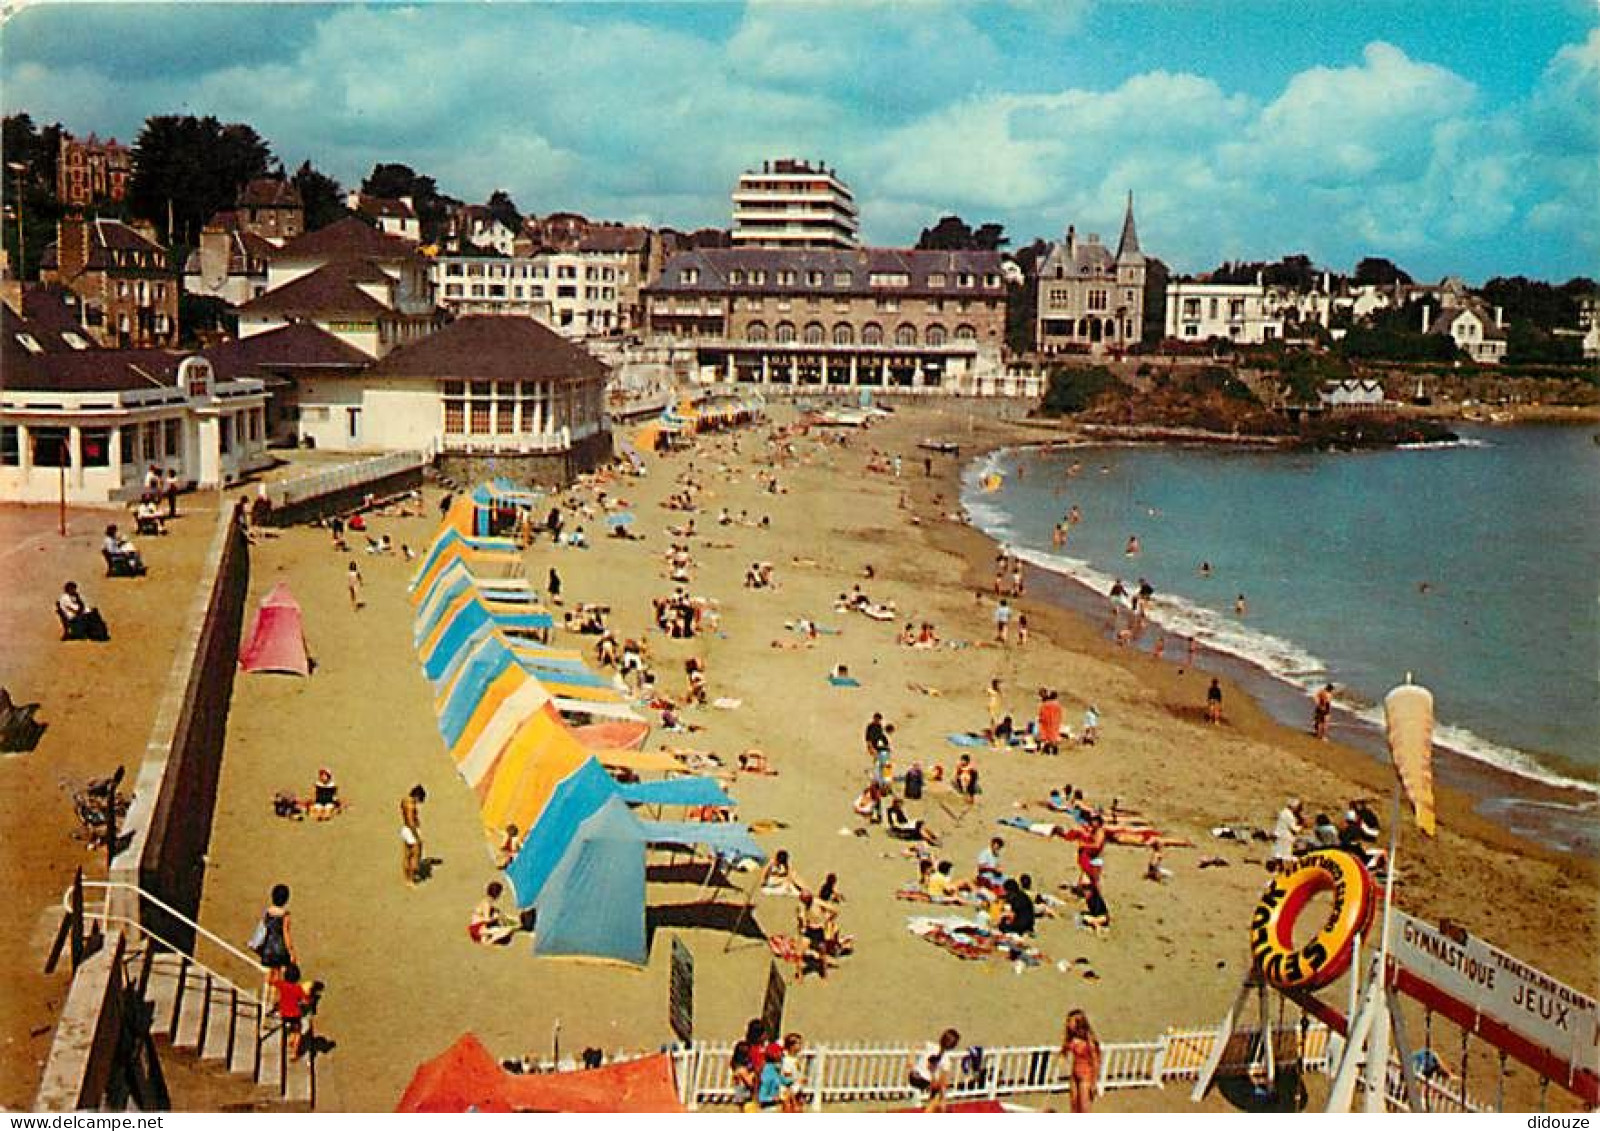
593	903
476	674
575	799
722	838
676	791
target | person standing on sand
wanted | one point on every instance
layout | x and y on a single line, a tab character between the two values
996	708
172	493
1022	629
1214	703
353	581
553	586
1321	708
411	834
1049	722
1002	620
1081	1049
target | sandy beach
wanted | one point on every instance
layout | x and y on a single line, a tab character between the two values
404	981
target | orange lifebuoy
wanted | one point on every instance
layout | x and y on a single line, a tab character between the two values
1327	954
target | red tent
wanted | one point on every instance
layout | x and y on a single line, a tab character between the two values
618	735
277	640
466	1078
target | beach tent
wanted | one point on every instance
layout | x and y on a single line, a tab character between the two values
722	837
677	791
592	904
457	588
277	639
466	1077
577	690
613	735
486	558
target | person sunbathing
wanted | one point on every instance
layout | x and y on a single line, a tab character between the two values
779	876
754	761
902	827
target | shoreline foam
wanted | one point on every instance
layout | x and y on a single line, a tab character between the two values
1285	662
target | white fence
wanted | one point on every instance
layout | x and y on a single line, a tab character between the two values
846	1074
342	478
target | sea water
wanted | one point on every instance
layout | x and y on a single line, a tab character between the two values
1471	565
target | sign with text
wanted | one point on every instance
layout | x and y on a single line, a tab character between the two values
772	1003
680	993
1548	1014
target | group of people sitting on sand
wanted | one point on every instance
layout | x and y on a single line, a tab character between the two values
856	601
1358	833
816	913
758	575
679	615
920	636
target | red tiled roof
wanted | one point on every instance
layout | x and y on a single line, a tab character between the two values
348	238
269	192
491	347
299	345
327	291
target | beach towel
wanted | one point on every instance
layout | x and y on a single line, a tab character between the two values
844	681
971	940
726	703
966	740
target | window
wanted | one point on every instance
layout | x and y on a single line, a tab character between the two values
814	334
10	445
173	447
937	279
888	305
843	334
813	278
480	418
736	277
1191	308
1235	308
965	279
756	332
753	302
872	334
758	278
991	280
455	416
841	278
1097	300
905	334
1213	307
965	333
934	335
786	278
1058	296
889	279
785	332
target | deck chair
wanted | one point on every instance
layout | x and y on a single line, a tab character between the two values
122	565
19	731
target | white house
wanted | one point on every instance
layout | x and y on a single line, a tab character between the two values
1470	326
368	289
1236	312
499	386
396	217
1351	393
474	226
578	293
90	423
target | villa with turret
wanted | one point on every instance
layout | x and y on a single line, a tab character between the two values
1089	297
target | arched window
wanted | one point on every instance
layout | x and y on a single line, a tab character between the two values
934	335
843	334
965	333
815	335
1111	328
785	332
872	334
756	332
905	334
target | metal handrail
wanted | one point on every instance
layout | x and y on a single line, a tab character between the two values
106	916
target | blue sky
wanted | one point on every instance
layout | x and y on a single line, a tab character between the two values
1454	137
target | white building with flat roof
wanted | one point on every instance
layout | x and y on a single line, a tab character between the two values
1235	312
793	203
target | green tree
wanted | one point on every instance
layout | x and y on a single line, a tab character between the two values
321	195
433	208
1395	335
952	233
1373	271
504	209
1075	388
1530	300
186	169
35	150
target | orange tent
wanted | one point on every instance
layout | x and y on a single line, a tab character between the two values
466	1078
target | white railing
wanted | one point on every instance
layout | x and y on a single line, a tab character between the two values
862	1073
558	441
114	909
342	478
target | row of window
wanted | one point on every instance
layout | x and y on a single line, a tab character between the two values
841	279
844	334
141	291
882	304
153	441
517	291
532	271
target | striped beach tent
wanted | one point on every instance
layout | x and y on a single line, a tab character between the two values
487	558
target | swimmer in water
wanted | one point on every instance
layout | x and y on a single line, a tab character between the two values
1074	516
1239	607
1423	587
1133	545
1205	569
1075	468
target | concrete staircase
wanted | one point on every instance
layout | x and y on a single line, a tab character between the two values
222	1025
